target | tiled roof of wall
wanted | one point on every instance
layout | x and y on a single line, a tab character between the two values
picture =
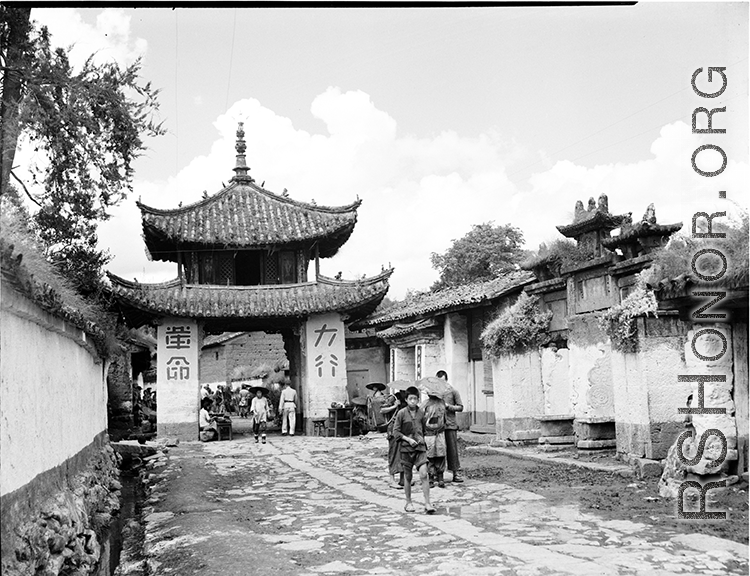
14	270
449	299
398	330
638	230
244	215
594	221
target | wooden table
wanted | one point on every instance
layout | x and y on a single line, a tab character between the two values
340	420
223	426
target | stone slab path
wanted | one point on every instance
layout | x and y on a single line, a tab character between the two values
311	506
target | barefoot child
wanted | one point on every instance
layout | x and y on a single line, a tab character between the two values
409	430
259	409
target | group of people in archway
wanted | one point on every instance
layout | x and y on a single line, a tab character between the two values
252	401
224	400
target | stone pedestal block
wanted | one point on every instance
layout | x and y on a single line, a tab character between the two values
557	429
595	433
595	428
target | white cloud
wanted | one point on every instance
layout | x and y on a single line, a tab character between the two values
109	39
418	193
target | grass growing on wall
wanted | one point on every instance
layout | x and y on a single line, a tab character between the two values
23	259
675	259
619	321
558	254
19	244
521	327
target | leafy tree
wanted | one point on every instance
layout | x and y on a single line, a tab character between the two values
89	125
485	252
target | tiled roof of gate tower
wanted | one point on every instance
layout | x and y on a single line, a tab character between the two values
244	215
355	298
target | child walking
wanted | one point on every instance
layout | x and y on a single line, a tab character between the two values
259	409
392	405
409	429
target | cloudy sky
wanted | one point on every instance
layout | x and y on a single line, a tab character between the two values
437	119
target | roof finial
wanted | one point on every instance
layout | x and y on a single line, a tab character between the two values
241	169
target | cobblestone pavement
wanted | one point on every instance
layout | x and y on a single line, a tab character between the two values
328	508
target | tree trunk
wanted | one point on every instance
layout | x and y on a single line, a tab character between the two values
18	21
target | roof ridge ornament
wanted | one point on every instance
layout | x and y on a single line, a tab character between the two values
241	169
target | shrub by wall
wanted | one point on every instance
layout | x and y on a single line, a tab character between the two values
519	328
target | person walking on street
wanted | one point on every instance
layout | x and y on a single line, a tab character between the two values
409	431
244	402
453	404
390	408
259	409
288	409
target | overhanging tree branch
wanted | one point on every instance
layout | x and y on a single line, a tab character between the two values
34	200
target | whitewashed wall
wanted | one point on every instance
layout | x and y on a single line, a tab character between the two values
53	390
457	362
519	395
555	381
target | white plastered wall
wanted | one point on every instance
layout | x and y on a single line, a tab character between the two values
518	385
405	363
555	381
590	371
53	390
457	353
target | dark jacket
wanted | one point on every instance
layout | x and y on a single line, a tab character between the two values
411	425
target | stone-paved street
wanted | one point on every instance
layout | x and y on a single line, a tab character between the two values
313	505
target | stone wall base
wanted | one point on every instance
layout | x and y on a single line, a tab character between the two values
62	533
596	444
518	429
570	440
663	435
651	441
183	431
